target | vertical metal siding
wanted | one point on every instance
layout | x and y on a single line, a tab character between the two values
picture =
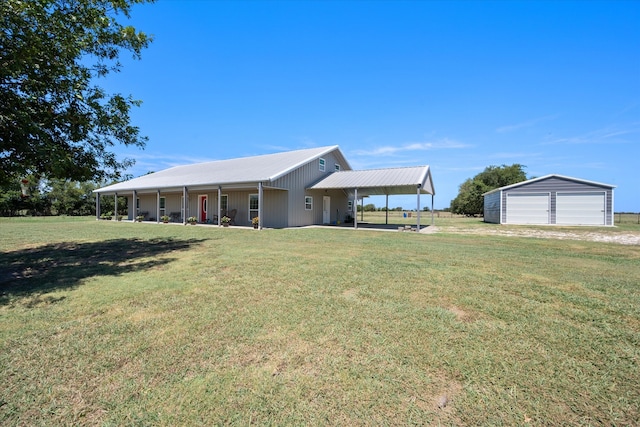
492	208
297	181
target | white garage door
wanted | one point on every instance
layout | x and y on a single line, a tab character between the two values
527	208
580	208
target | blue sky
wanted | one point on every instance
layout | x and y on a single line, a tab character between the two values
457	85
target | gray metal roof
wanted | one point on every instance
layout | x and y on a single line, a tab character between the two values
517	184
380	181
244	170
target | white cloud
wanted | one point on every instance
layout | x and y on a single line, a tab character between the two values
608	135
525	124
444	143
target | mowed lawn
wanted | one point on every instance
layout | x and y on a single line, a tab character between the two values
107	323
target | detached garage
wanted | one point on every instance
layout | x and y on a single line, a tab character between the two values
551	199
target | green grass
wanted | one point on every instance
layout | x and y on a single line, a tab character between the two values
106	323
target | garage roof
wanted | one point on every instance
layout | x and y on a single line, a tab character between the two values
584	181
380	181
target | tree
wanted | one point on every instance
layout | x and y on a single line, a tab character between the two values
469	200
72	197
30	200
55	122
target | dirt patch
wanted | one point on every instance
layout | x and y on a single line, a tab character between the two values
461	314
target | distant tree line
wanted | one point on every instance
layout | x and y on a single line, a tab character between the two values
54	197
372	208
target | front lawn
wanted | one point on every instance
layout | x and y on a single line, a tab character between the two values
116	323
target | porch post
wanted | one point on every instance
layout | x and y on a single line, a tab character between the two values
135	205
355	202
219	205
97	206
158	207
115	207
185	203
260	219
418	209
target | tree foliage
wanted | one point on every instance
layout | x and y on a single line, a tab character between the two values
71	197
55	121
469	200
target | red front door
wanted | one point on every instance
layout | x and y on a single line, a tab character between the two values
203	209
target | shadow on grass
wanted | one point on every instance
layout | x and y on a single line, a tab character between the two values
64	265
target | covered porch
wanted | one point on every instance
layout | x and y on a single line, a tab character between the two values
382	182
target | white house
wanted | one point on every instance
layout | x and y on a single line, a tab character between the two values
288	189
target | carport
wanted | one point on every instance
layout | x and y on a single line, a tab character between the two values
381	182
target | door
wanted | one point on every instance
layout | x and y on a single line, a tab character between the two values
527	208
202	208
326	209
580	208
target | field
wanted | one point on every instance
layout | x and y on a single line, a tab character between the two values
107	323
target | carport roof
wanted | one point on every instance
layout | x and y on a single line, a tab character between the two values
374	182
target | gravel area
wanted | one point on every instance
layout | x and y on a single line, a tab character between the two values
623	238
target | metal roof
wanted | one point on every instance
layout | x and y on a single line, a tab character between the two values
568	178
244	170
380	181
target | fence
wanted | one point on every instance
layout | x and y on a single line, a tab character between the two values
626	218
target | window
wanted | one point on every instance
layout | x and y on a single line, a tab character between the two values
337	167
253	206
224	202
321	164
163	210
350	205
308	203
137	206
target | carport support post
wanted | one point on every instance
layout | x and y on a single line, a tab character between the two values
355	202
219	206
418	210
432	209
260	206
386	211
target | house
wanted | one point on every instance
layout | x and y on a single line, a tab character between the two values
288	189
551	199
